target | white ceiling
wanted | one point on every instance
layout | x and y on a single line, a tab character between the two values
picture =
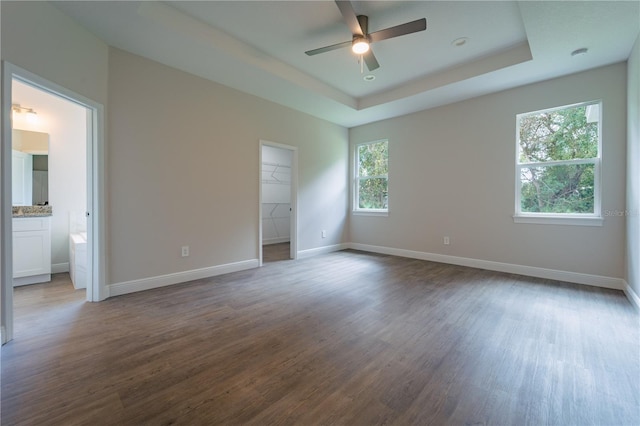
258	47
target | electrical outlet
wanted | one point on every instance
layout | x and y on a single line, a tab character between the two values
446	241
324	234
185	251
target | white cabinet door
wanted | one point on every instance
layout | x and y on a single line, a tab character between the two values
31	247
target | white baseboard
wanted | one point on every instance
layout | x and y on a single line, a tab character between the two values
178	277
32	279
58	268
632	295
302	254
531	271
573	277
275	241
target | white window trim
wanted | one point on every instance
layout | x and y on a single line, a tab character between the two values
579	219
355	210
370	212
549	219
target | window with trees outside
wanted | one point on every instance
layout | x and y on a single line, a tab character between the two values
371	177
558	164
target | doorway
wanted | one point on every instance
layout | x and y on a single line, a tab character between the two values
85	217
58	176
278	185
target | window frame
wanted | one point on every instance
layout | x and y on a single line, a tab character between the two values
355	201
584	219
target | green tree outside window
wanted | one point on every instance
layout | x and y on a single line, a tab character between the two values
372	176
558	158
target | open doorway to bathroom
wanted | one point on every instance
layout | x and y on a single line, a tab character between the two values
57	171
278	202
49	199
57	194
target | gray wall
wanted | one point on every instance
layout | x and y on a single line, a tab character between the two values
176	137
39	38
633	170
451	168
452	172
184	160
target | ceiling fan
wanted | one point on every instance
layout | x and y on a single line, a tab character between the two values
361	38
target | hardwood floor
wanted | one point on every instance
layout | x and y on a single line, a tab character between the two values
344	338
276	252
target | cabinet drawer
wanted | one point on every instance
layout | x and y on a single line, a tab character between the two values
30	224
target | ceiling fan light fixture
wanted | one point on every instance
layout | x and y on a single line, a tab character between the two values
360	45
362	38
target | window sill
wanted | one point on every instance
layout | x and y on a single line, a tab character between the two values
383	213
560	220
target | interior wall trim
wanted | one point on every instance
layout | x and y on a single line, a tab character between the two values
57	268
631	295
132	286
302	254
530	271
149	283
277	240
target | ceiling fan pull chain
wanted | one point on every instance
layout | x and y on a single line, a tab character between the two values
361	64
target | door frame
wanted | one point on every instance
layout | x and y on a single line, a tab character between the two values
96	247
293	250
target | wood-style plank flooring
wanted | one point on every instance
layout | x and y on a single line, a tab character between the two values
276	252
346	338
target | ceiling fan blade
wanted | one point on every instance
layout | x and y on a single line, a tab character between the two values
328	48
350	17
399	30
371	61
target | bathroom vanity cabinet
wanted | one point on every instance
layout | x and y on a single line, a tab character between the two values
31	250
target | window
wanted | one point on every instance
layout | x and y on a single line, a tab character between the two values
558	165
371	177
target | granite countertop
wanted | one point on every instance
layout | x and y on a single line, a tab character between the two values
31	211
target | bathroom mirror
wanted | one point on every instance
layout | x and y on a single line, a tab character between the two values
30	168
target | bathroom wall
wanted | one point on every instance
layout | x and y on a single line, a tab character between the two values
276	194
65	122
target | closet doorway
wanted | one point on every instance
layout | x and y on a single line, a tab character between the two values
278	185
